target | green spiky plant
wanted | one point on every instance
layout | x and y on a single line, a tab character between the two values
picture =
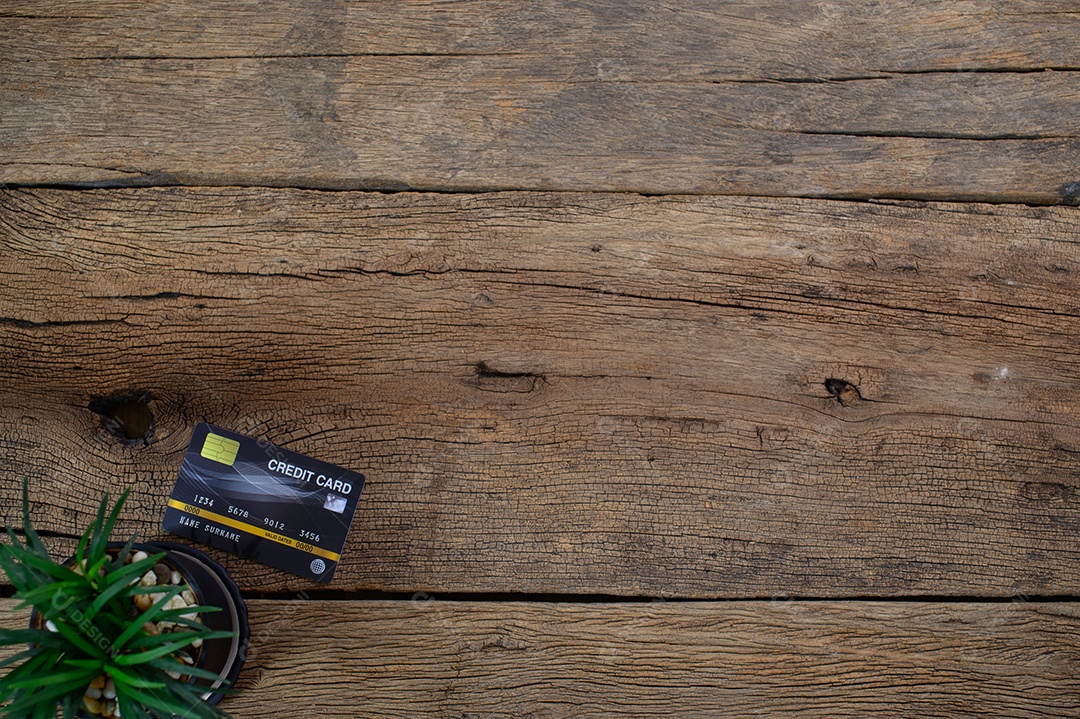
90	627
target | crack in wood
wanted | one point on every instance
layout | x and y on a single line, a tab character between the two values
1001	137
27	324
488	379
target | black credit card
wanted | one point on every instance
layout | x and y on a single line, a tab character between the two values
263	502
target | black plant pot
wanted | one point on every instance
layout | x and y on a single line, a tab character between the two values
213	587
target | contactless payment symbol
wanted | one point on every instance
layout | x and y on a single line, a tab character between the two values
220	449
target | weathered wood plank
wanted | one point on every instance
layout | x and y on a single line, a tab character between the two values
780	659
760	40
928	100
575	393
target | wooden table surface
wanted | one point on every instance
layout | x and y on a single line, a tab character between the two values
705	359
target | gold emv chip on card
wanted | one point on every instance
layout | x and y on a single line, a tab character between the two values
220	449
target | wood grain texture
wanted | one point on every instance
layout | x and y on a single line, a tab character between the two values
586	393
937	100
552	661
759	40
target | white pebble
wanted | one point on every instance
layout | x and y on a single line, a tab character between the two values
149	579
139	556
93	692
49	625
176	578
110	689
197	642
189	597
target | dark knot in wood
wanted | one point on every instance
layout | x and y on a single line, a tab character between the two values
845	393
126	416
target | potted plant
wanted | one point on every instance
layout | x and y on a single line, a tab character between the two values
120	630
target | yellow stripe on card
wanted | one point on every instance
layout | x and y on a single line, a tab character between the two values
252	529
